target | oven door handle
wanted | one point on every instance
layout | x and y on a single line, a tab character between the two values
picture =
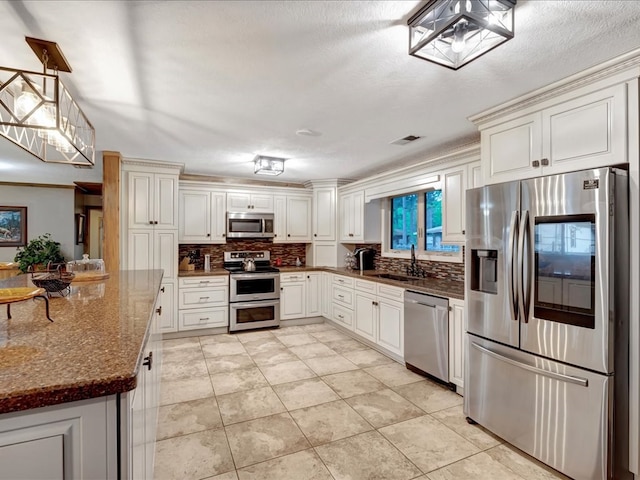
252	276
259	303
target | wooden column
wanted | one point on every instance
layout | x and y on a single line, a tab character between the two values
111	209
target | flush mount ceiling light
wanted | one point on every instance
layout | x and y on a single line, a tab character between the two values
268	165
38	113
454	32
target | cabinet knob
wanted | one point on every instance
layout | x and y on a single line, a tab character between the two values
281	289
208	234
148	361
545	162
535	163
162	289
159	310
288	234
150	222
308	277
275	235
315	234
463	232
224	234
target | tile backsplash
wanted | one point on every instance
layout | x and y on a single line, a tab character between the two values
445	270
288	252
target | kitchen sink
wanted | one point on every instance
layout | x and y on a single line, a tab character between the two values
396	277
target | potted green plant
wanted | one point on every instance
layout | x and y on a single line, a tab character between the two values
38	253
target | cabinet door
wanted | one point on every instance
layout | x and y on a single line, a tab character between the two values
587	132
453	205
324	214
475	175
195	216
165	201
198	318
280	219
261	202
456	342
140	245
40	458
390	329
165	253
140	193
167	320
327	287
314	294
218	220
298	219
357	216
292	300
346	222
238	202
509	149
366	313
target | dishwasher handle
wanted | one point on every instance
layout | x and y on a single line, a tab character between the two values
408	300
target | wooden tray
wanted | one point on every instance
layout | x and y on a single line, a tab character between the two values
89	277
18	294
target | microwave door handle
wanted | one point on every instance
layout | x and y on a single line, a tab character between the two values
263	225
522	234
512	285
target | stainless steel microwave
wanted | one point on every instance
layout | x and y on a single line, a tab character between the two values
250	225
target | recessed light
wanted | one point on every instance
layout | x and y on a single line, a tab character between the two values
305	132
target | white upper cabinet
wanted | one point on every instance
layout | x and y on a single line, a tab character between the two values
292	218
202	216
324	214
359	221
152	200
588	130
249	202
454	183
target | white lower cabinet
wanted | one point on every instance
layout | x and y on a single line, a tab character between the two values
327	283
168	319
313	307
456	342
203	302
292	298
366	313
390	332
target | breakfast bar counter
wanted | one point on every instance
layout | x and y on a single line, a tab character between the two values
92	348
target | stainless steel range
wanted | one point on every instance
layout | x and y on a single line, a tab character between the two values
254	293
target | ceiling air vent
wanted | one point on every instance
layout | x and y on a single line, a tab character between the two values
405	140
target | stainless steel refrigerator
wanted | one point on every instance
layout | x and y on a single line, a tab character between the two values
547	264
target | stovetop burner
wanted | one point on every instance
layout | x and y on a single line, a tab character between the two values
234	262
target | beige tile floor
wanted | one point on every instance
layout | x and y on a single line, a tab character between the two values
310	403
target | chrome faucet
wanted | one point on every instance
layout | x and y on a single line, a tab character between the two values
415	270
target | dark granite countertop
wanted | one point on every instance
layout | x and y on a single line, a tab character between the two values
93	347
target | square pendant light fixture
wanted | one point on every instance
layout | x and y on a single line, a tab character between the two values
38	113
268	165
454	32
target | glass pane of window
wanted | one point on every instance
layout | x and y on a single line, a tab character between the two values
565	269
404	222
433	224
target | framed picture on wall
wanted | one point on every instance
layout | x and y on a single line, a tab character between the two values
81	221
13	226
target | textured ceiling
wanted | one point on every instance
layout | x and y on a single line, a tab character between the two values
213	83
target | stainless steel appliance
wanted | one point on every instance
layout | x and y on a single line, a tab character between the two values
250	225
547	336
426	334
254	295
364	258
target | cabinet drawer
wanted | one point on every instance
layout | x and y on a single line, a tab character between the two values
343	296
195	282
203	297
292	277
365	286
343	316
342	281
392	293
203	318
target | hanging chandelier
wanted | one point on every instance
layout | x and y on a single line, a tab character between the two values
38	113
452	33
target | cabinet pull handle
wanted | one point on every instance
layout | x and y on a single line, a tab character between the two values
204	319
148	361
159	310
545	162
340	296
340	316
203	298
535	163
162	289
204	281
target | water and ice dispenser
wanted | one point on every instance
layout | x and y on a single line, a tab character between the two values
484	271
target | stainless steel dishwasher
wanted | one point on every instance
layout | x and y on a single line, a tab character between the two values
426	334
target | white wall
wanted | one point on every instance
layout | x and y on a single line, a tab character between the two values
49	210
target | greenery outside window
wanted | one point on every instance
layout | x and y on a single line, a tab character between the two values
416	219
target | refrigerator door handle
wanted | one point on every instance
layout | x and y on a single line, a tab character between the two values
511	259
583	382
523	233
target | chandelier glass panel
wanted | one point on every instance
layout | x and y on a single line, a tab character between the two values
38	113
452	33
